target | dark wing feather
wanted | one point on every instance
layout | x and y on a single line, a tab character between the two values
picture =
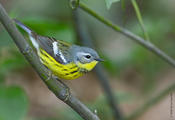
46	43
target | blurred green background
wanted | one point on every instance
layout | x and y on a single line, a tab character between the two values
135	74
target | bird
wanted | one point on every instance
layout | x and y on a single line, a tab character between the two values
64	60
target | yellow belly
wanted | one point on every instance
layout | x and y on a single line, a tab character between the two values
68	71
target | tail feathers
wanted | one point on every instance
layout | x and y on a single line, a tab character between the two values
25	28
29	31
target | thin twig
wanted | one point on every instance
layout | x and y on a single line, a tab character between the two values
139	17
86	39
59	89
171	106
148	45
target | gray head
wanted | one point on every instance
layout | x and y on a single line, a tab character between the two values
84	54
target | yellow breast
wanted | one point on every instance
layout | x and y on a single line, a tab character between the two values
68	71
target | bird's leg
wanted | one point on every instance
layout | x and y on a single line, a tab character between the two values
67	89
67	94
50	75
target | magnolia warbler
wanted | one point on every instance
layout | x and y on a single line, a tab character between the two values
67	61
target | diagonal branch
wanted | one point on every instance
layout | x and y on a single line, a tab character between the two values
138	112
148	45
59	89
85	39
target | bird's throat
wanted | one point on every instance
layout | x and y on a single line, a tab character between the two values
87	66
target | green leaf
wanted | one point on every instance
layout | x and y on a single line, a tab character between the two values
110	2
13	103
123	4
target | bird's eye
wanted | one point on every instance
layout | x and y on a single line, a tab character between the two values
88	56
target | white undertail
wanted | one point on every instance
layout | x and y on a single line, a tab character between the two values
34	42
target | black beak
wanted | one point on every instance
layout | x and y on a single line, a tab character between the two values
99	59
